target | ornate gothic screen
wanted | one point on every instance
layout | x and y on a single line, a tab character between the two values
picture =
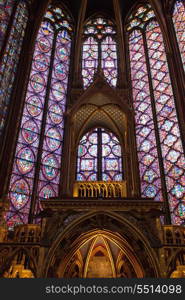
37	162
99	51
99	157
179	24
11	51
159	145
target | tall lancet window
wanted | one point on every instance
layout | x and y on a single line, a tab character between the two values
99	157
6	8
179	24
37	162
13	22
99	51
159	145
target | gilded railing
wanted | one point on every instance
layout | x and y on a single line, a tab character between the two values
100	189
174	234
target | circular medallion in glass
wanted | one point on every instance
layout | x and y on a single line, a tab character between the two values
53	139
30	131
34	106
25	160
50	165
60	71
41	62
44	44
19	193
56	113
62	53
37	83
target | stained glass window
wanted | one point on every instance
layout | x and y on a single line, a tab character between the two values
159	144
99	50
10	58
90	60
145	132
109	60
6	7
38	153
179	24
99	157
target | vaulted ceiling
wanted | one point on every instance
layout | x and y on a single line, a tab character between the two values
94	6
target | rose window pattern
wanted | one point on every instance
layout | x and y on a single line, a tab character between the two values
99	51
37	162
99	157
159	145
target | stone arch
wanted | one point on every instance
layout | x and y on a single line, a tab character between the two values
101	14
124	270
100	93
108	116
101	106
98	251
67	242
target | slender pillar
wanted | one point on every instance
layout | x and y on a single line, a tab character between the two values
122	77
77	81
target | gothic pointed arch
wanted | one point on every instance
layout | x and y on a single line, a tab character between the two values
113	228
99	106
99	50
99	93
92	172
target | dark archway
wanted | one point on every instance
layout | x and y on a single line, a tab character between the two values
128	237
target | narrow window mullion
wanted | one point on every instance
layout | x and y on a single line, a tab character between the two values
99	55
99	162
